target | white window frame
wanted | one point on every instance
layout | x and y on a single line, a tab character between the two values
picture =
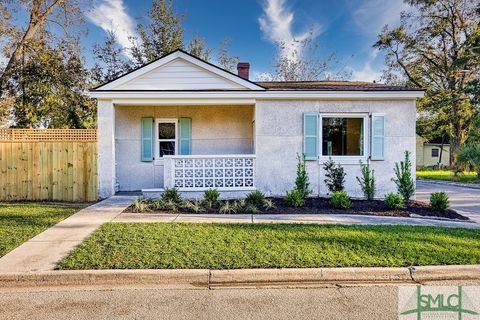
345	159
159	160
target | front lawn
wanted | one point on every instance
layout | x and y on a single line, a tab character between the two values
447	175
233	246
20	222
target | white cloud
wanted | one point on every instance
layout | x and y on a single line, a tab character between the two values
111	16
367	72
370	16
276	24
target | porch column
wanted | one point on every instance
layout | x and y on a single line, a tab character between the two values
106	148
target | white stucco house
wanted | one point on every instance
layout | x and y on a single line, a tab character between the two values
183	122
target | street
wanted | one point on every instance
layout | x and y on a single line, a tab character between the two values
364	302
465	200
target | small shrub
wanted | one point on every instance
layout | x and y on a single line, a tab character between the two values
140	206
240	205
403	177
251	208
194	206
295	198
256	198
268	204
210	198
228	208
171	194
394	201
334	176
302	182
340	200
156	204
367	181
439	201
171	205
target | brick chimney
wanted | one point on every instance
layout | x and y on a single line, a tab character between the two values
243	69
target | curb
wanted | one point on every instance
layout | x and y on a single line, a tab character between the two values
447	183
241	278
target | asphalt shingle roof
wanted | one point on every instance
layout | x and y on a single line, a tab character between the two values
332	86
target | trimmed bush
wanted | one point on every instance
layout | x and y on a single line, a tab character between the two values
439	201
394	201
172	195
211	198
256	198
340	200
367	181
403	177
295	198
334	176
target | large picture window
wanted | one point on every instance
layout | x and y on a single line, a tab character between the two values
166	132
343	136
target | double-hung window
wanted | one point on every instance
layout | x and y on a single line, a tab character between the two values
166	134
343	136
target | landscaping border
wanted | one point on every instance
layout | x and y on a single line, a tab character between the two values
240	278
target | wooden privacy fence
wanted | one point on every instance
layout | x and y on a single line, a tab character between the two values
48	164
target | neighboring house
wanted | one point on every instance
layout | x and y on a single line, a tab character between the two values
183	122
428	154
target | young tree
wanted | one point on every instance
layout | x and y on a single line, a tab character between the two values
431	49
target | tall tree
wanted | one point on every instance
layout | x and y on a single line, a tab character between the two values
304	63
224	59
61	13
432	49
110	60
198	47
50	89
161	35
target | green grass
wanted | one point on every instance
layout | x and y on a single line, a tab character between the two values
446	175
233	246
20	222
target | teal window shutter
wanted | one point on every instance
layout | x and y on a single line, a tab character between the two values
310	135
147	139
378	136
185	147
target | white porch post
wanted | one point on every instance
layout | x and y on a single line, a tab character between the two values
106	148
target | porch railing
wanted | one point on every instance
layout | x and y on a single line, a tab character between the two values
202	172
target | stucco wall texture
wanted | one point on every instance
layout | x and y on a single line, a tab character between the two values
215	130
279	137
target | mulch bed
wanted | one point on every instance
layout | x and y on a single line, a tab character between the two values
365	207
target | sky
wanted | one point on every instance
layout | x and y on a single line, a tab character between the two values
347	28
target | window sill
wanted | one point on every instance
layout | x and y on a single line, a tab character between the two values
344	160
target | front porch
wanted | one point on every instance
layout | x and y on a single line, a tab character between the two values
155	148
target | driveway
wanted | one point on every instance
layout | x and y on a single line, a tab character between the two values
464	200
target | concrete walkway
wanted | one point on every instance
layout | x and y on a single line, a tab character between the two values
43	251
345	219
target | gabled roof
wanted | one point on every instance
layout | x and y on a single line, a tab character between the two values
155	76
